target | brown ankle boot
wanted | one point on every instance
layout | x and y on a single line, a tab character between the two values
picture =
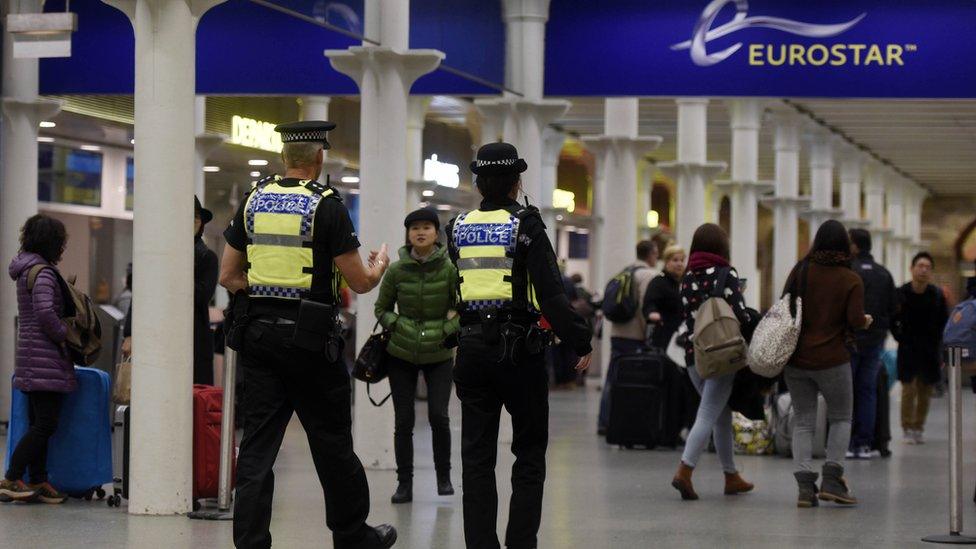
735	484
682	482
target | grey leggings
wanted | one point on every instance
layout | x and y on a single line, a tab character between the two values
837	387
714	418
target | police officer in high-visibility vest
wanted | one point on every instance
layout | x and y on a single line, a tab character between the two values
508	278
288	247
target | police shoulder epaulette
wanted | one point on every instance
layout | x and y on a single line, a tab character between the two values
262	182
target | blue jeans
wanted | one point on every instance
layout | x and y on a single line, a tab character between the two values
714	419
619	346
865	365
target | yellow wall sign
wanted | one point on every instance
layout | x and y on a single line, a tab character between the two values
255	134
564	199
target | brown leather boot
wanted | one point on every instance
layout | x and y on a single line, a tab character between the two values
735	484
682	482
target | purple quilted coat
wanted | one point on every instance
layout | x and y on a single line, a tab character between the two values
42	362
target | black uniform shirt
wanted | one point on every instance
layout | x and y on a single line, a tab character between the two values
540	262
333	235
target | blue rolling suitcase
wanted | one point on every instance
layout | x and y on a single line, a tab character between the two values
79	458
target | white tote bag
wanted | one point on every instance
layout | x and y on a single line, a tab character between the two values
775	338
675	351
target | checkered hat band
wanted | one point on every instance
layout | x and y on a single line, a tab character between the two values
502	162
299	137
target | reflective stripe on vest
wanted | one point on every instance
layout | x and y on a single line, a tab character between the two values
280	224
485	243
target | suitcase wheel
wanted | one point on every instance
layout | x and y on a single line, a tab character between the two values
196	505
88	495
100	493
114	501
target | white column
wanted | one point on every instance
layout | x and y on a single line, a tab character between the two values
416	121
745	189
206	144
645	189
821	180
895	245
874	211
384	75
316	107
851	163
692	170
525	28
914	198
617	153
551	147
23	110
786	202
160	466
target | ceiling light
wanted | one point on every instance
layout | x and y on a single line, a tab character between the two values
428	193
353	191
350	179
423	204
132	141
255	174
47	124
211	169
92	148
257	162
559	218
45	139
444	208
653	218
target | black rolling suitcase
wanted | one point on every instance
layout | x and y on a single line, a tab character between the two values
639	401
120	456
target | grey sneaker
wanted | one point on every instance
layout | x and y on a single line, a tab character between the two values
48	494
16	490
917	436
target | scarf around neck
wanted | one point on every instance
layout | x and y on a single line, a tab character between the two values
704	260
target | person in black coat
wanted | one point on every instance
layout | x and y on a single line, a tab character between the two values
205	272
662	301
918	328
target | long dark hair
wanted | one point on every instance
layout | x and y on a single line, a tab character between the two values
496	188
832	236
712	239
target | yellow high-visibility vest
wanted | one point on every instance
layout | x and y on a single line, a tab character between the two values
280	225
485	243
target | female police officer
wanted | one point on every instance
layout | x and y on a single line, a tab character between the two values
508	276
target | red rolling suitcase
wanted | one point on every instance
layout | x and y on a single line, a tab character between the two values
207	413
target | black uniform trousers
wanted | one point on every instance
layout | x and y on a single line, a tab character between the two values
279	380
485	382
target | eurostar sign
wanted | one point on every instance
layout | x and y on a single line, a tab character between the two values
255	134
837	54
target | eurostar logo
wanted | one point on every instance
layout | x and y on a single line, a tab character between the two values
704	33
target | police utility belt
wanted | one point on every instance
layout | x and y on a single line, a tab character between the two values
495	328
316	329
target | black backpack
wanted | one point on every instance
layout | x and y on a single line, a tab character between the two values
620	297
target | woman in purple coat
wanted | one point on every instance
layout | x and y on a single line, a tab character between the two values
44	369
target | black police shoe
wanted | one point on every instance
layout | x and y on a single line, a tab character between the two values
379	537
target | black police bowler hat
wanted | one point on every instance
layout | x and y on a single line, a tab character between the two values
306	131
498	159
205	215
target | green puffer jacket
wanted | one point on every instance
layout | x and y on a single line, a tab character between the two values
423	294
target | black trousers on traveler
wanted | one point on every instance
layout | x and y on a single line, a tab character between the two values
485	382
403	384
44	410
281	380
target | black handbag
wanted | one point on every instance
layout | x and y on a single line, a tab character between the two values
372	363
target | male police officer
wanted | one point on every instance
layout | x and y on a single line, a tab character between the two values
288	246
508	275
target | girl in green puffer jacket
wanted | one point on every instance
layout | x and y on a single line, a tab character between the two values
423	287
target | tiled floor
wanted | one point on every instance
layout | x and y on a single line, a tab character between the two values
597	497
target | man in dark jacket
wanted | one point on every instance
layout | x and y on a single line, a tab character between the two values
880	301
918	328
204	285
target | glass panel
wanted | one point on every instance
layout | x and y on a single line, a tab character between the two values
130	182
69	176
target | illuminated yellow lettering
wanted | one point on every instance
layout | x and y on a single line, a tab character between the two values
796	55
857	49
894	54
755	55
248	132
772	58
874	56
817	55
839	54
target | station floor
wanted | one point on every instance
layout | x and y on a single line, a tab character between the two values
597	497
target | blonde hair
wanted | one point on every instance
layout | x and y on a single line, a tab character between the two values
671	251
